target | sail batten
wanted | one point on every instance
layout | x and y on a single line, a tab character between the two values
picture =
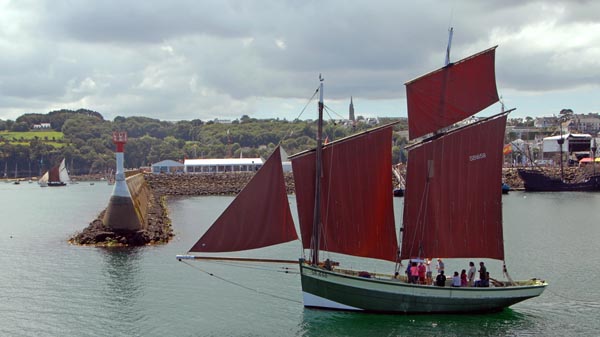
452	205
258	217
451	94
357	210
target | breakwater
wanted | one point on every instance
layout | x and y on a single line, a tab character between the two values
148	208
205	184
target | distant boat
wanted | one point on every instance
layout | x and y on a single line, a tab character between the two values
16	181
110	178
536	180
56	176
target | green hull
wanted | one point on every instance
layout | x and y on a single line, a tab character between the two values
334	290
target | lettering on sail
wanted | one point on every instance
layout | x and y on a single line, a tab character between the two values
477	156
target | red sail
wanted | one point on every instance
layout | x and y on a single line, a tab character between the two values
357	210
452	202
54	174
451	94
258	217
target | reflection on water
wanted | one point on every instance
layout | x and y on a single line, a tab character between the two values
338	323
124	288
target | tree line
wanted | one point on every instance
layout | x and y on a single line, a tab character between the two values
87	147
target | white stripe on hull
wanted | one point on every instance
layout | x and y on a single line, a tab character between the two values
311	300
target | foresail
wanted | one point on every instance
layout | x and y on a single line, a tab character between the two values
258	217
452	201
451	94
357	210
44	178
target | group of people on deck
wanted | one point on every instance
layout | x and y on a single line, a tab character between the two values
420	273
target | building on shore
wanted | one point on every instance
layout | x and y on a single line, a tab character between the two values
167	166
222	165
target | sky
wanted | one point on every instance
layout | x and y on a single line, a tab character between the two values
205	59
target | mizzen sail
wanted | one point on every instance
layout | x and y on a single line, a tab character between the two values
258	217
357	215
452	202
451	94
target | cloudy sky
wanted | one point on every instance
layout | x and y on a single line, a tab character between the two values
201	59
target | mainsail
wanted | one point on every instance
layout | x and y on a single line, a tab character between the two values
258	217
357	209
451	94
452	204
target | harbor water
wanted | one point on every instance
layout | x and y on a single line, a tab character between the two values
51	288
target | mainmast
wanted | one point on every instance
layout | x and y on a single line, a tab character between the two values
450	32
316	235
561	141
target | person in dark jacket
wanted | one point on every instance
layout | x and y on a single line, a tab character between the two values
440	280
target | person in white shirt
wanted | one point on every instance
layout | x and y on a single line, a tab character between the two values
471	273
456	280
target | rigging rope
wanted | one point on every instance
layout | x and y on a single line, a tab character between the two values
286	270
240	285
301	112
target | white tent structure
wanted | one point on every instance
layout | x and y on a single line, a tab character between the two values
167	166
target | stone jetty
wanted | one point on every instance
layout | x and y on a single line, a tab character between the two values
157	229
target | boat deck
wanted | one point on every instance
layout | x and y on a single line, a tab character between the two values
403	278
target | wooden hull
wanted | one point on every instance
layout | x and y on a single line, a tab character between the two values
340	291
535	181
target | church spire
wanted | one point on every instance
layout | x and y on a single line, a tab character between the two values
351	116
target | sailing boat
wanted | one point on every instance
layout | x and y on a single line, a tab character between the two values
351	211
16	181
537	180
56	176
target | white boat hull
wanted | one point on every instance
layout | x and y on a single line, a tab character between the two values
340	291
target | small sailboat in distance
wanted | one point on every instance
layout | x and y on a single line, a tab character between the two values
56	176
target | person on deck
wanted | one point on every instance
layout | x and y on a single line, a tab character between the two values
483	276
456	280
471	273
422	270
440	265
440	280
428	275
414	273
482	271
463	278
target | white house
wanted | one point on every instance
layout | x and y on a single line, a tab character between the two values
42	126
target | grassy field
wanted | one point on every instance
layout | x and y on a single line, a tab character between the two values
23	138
28	135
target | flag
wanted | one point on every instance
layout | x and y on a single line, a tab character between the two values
507	149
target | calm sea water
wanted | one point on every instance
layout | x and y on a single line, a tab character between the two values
50	288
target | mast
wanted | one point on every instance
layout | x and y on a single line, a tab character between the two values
317	211
561	141
450	32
